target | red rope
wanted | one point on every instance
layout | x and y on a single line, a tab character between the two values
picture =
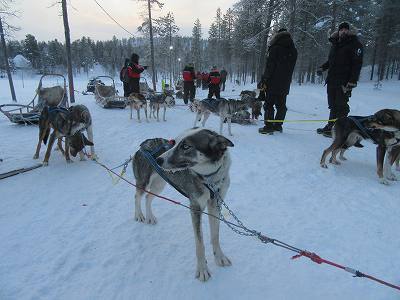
311	255
317	259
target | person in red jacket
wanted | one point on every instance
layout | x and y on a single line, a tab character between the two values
189	90
134	70
214	82
204	78
198	79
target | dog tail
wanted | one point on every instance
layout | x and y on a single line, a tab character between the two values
44	130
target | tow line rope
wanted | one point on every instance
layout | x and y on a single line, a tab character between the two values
239	228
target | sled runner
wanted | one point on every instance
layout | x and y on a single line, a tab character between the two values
54	96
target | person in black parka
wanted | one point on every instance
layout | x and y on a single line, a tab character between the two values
282	56
344	66
123	76
224	74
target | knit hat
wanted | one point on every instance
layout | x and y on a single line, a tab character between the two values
344	25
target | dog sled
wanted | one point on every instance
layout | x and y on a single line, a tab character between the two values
90	88
106	95
55	96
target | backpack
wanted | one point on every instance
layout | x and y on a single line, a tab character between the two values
123	75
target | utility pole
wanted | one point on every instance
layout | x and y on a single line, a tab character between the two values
10	81
68	48
151	46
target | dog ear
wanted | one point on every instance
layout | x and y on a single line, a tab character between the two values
86	141
220	143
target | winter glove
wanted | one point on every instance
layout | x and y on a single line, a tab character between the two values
348	88
351	85
319	72
262	85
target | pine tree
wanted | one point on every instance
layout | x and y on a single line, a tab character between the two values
196	45
31	50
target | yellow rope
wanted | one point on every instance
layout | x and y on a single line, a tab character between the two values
114	180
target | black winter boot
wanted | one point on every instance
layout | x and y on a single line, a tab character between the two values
266	130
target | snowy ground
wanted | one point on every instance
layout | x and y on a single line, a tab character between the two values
66	232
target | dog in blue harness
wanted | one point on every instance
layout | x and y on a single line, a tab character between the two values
382	128
197	159
62	122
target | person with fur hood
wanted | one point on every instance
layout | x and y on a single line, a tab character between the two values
344	66
275	82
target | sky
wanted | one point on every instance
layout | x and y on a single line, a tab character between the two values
37	17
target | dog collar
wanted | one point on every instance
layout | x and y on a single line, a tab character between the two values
211	174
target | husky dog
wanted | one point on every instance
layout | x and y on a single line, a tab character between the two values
55	118
221	107
157	101
66	123
179	94
255	104
198	157
81	120
242	117
383	127
138	101
77	143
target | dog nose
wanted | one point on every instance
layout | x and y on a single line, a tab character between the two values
160	161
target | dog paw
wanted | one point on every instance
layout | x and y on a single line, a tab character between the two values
35	156
392	177
202	273
45	163
152	220
343	158
335	162
324	165
222	261
69	161
139	217
82	159
383	181
94	157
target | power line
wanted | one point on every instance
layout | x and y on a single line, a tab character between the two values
113	18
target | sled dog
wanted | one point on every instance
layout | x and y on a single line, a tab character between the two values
383	128
158	101
222	107
138	101
81	121
58	119
198	157
255	104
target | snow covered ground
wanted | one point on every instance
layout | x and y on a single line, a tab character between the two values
66	232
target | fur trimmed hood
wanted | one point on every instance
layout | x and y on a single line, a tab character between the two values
282	38
334	37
